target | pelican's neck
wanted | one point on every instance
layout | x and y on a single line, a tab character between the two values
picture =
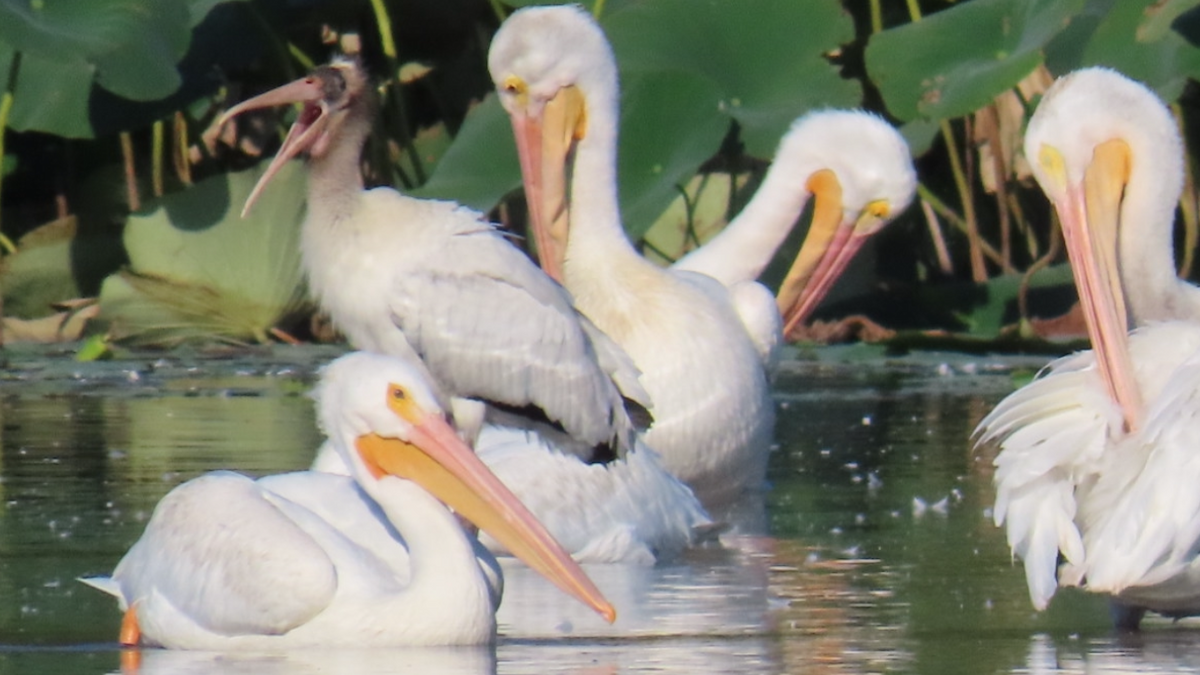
335	178
445	583
1147	254
742	250
597	239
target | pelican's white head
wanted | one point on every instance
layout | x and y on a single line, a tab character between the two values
1107	152
1088	107
540	51
383	417
362	393
869	158
556	77
859	171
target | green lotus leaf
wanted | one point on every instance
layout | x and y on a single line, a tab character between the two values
767	59
663	141
956	61
51	96
198	9
39	273
49	267
480	166
688	68
197	270
1132	36
128	47
134	44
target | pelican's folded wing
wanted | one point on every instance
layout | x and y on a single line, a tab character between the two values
217	554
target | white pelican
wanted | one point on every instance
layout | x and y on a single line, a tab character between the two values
399	275
1098	458
858	170
628	510
408	276
313	559
713	415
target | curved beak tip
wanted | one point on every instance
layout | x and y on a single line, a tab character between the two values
609	613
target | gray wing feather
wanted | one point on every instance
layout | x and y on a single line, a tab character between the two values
501	330
222	554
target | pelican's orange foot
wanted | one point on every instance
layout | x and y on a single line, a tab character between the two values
130	633
131	661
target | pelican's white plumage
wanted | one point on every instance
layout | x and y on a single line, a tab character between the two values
713	413
432	279
315	559
1098	458
407	276
1146	252
858	169
629	510
626	511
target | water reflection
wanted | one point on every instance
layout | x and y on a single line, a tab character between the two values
875	549
1169	651
714	593
456	661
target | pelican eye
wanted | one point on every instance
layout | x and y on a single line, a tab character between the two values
514	85
1054	165
402	403
879	208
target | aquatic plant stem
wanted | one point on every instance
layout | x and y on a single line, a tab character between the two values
1056	242
278	46
598	9
975	244
876	17
975	247
6	104
156	158
1031	240
991	114
183	164
914	9
303	59
648	245
131	189
497	9
939	239
956	220
1187	204
384	23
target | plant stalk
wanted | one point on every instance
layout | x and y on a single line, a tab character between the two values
876	17
6	104
939	239
956	220
131	188
1187	205
1038	265
1000	171
384	23
156	158
385	28
975	244
183	164
497	9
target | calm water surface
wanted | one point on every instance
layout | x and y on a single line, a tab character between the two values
873	552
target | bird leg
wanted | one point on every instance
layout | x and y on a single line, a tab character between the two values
130	634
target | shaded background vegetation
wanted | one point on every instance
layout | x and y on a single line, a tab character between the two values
117	186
